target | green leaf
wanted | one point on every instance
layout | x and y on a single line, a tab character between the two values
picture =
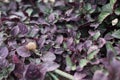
94	68
73	67
92	54
64	74
53	76
117	11
107	8
78	35
111	52
6	71
91	11
116	34
96	36
88	6
118	57
83	62
109	47
18	0
64	45
1	38
69	26
29	11
68	61
102	16
77	41
112	2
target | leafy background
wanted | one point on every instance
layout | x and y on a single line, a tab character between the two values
75	39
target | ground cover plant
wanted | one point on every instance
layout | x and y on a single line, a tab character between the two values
59	40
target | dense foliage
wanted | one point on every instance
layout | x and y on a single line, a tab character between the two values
52	39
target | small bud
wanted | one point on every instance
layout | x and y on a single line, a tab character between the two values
114	21
52	1
31	46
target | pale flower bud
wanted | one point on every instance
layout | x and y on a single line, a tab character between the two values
114	21
31	46
52	1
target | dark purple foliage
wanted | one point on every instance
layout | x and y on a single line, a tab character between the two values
75	36
33	72
23	28
15	31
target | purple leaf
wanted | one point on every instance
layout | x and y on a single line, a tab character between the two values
59	39
12	6
23	52
68	12
23	28
72	18
114	70
3	62
92	48
20	14
79	47
51	17
87	44
59	51
19	70
49	56
99	75
34	31
101	42
53	30
42	40
33	72
43	22
4	52
108	37
69	41
15	31
59	4
12	44
94	25
49	66
79	76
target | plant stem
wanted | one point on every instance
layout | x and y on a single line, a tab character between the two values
64	74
